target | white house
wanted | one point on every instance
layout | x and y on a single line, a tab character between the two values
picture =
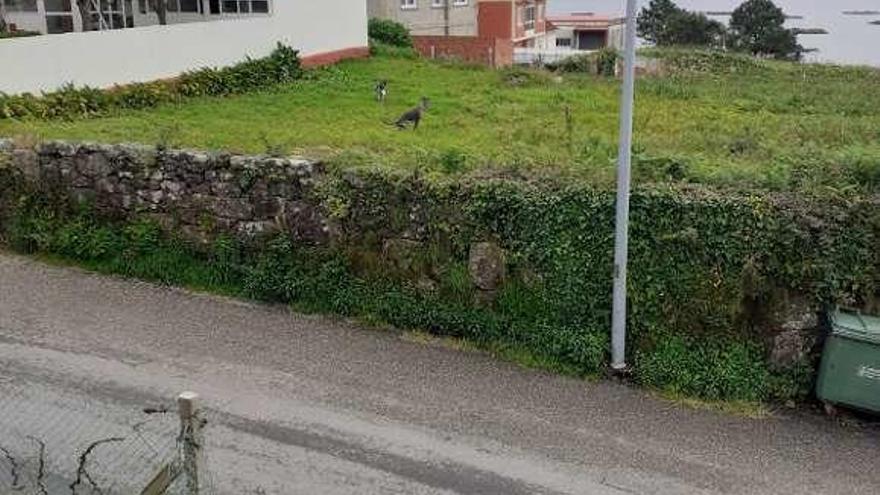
127	44
587	31
568	35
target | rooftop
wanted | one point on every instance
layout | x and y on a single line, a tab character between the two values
584	20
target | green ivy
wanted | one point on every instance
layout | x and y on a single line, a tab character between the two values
706	267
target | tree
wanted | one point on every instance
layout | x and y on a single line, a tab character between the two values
694	29
758	27
664	23
655	19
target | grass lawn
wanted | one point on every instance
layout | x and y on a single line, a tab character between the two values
773	125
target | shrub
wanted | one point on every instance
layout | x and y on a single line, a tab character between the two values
707	61
281	66
390	33
70	102
606	62
18	34
582	63
709	368
522	77
143	95
600	63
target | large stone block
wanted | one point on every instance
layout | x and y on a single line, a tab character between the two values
487	265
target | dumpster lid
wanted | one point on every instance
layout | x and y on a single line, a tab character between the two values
854	325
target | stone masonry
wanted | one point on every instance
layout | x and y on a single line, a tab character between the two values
197	193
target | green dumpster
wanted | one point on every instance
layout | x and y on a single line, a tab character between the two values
850	371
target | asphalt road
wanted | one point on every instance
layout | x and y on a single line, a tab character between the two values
308	405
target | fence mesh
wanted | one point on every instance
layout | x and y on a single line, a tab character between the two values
53	442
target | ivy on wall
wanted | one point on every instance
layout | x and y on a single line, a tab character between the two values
707	267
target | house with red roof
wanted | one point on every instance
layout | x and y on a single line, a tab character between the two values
586	31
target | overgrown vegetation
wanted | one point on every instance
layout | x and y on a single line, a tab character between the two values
756	27
708	117
600	63
706	268
282	66
17	34
389	32
664	23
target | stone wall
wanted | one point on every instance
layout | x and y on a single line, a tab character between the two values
538	255
197	193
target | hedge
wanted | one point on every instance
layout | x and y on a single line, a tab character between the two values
706	267
281	66
389	32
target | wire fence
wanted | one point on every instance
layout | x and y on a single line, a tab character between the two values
53	444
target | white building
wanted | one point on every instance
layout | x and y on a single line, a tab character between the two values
587	31
63	16
568	35
127	44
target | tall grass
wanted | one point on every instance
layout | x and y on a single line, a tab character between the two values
727	121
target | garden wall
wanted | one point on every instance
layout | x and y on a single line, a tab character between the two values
726	291
472	49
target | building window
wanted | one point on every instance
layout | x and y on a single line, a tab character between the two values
244	7
563	42
113	14
460	3
529	18
20	5
185	6
191	6
59	16
215	7
408	4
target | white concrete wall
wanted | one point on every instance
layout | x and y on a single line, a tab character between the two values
105	58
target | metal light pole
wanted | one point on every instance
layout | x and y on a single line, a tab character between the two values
621	236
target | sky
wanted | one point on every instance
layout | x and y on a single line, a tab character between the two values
852	40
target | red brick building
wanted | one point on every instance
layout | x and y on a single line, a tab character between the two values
481	31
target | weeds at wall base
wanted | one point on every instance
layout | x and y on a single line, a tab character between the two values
322	281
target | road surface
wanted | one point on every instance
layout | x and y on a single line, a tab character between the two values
310	405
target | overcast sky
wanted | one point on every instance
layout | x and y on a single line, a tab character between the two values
852	39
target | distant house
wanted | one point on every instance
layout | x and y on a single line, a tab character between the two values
484	31
586	31
570	34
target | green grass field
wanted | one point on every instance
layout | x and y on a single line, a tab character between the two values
720	120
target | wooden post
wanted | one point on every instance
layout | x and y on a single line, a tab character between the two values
191	440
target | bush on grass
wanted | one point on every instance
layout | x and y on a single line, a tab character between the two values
389	32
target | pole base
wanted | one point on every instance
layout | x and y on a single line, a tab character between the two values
620	369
